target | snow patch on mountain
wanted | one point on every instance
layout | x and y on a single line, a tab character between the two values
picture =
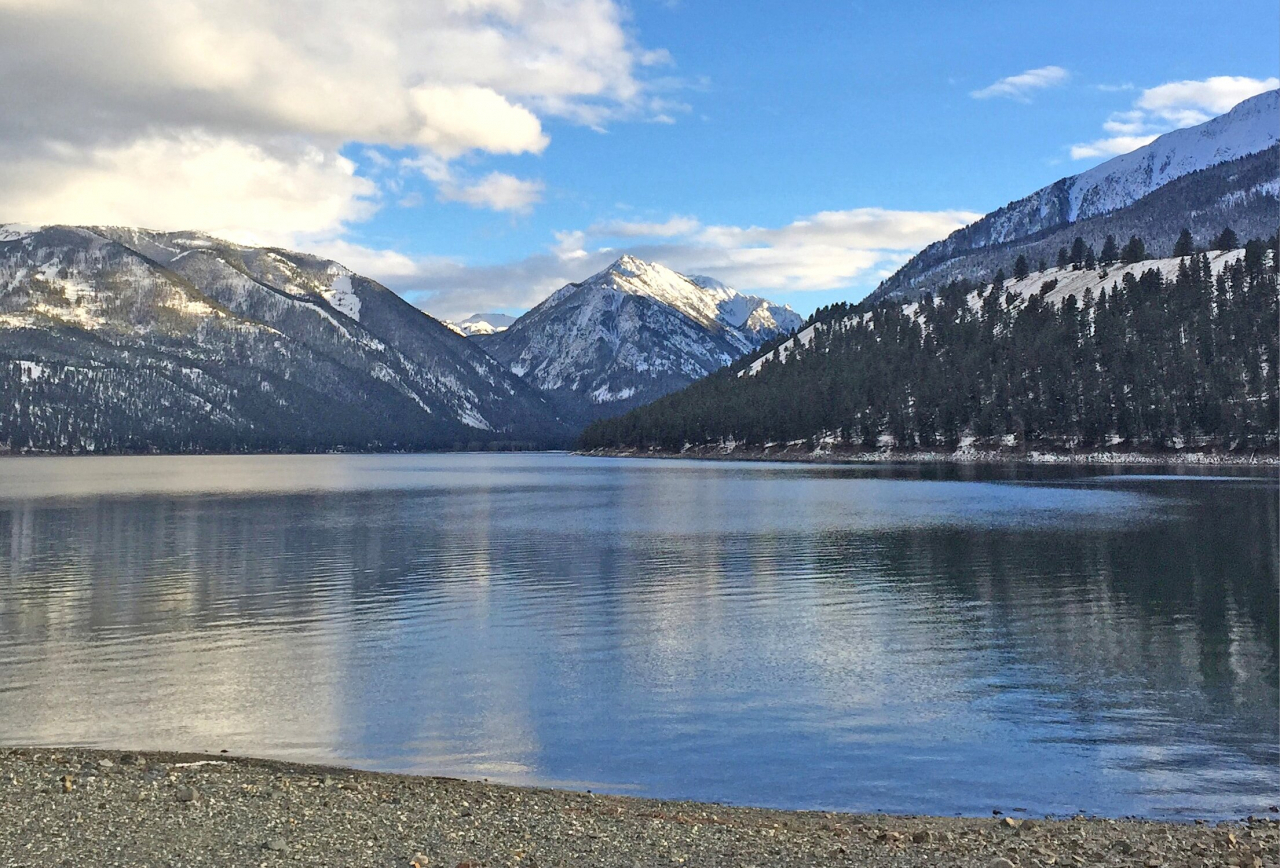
343	297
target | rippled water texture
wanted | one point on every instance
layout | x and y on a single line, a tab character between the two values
907	640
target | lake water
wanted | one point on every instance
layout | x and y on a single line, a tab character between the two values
864	638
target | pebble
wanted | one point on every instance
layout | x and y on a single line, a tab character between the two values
383	818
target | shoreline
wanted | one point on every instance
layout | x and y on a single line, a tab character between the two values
960	457
104	807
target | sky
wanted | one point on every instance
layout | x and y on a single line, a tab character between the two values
475	155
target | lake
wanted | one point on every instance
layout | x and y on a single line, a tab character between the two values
906	639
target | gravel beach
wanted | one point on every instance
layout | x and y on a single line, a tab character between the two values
107	808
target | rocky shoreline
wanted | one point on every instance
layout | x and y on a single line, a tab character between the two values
963	456
107	808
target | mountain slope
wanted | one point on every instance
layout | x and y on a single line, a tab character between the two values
124	339
1251	128
631	333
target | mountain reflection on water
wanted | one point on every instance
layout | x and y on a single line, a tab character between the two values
931	640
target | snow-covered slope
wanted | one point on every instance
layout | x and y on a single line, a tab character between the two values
1250	128
632	333
1053	286
481	324
150	340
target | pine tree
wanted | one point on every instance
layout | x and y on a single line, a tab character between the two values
1185	246
1077	251
1134	251
1110	251
1020	268
1064	258
1227	240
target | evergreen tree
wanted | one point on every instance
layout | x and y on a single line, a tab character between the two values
1185	246
1064	258
1110	251
1077	252
1090	261
1134	251
1227	240
1020	268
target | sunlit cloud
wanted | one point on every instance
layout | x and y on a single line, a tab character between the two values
850	249
231	115
1167	107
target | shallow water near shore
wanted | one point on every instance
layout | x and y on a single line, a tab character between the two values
912	639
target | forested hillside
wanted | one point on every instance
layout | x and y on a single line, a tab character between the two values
1148	361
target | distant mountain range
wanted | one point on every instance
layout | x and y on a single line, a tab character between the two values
632	333
118	340
481	324
126	340
1222	172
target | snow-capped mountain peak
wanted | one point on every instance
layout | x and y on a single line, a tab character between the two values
481	324
633	332
1252	126
703	299
1229	154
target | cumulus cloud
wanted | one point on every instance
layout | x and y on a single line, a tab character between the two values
1168	107
239	190
851	249
278	89
495	191
1022	85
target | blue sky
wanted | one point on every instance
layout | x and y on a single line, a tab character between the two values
797	150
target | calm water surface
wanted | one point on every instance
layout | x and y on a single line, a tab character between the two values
900	639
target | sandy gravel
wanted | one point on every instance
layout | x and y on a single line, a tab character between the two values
106	808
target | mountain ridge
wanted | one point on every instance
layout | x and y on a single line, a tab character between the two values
1249	128
631	332
180	341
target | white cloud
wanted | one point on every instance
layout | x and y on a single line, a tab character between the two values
829	250
625	229
1179	101
1021	86
496	191
277	90
1168	107
1111	147
236	189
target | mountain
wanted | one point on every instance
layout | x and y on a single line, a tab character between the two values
118	339
481	324
1228	168
1155	355
631	333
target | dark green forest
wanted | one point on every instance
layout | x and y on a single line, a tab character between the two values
1147	363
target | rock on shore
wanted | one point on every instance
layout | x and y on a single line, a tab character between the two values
107	808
